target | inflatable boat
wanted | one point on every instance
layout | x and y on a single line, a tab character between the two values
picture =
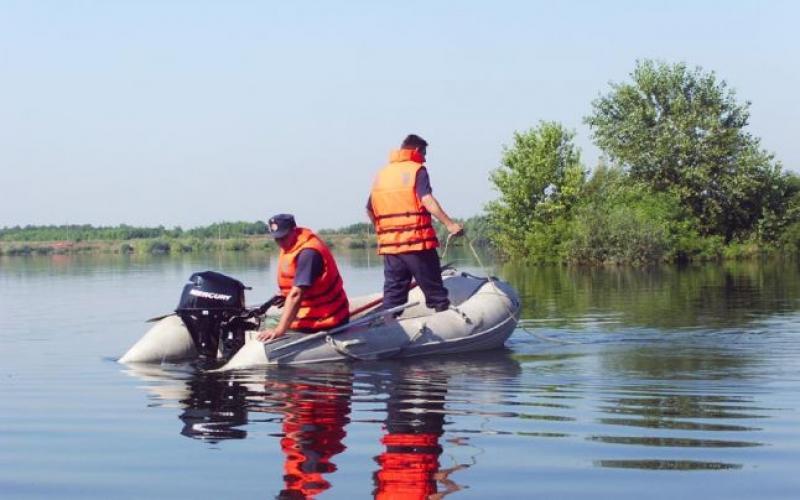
212	323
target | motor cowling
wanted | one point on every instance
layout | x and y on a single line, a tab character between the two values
212	306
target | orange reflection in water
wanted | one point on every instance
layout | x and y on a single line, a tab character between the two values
314	423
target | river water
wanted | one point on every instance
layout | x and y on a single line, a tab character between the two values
664	383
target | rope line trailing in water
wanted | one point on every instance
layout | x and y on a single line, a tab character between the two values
499	292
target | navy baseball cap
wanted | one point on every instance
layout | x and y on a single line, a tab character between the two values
280	225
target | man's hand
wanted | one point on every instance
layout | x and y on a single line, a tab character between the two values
292	299
269	334
455	229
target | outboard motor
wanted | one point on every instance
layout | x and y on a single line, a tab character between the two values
212	307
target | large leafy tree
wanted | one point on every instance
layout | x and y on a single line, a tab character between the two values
539	181
681	130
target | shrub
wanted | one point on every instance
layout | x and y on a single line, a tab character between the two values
264	245
354	244
183	246
790	239
621	233
158	247
19	250
622	221
743	250
237	245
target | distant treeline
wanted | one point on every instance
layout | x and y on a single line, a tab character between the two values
123	232
362	234
224	236
357	229
125	239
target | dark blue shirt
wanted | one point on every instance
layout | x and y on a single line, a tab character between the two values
309	268
422	184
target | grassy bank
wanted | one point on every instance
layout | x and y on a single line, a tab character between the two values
152	246
164	246
124	239
602	242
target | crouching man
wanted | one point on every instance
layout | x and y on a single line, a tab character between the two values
308	279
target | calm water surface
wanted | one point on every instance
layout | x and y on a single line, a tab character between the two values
662	383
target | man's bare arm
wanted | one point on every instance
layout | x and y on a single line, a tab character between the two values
290	308
437	211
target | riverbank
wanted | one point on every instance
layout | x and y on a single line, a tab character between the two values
337	241
250	237
162	246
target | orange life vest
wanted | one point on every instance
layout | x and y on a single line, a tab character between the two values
402	222
324	304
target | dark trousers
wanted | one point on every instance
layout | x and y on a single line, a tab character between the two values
424	267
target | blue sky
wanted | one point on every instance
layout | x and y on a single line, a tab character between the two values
186	113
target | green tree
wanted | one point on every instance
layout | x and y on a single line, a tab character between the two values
782	209
620	220
539	180
682	131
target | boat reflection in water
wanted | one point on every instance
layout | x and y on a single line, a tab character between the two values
312	406
409	465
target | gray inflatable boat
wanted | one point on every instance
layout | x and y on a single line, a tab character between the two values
483	314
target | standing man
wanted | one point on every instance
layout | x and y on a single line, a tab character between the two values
308	279
400	207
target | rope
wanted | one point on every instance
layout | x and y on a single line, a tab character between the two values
497	290
446	245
